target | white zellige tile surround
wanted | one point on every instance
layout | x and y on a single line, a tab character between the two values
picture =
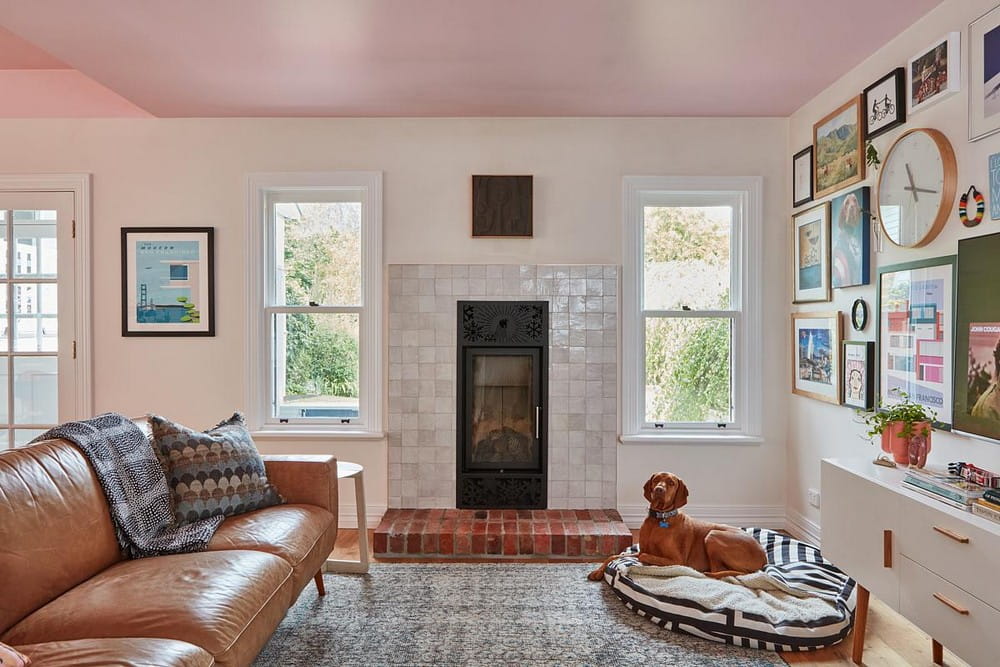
583	376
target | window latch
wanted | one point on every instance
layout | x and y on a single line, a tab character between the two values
721	425
685	307
658	425
282	421
345	421
313	304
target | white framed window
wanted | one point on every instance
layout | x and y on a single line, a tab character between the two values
691	301
315	304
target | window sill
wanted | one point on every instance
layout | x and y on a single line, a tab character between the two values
294	433
691	438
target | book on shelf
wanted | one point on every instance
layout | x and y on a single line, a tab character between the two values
988	503
950	486
936	496
992	495
986	510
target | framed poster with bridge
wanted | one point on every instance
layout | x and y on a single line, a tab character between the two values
168	281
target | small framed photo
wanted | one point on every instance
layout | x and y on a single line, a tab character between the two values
168	281
816	350
859	372
802	177
811	254
936	72
884	104
850	238
984	75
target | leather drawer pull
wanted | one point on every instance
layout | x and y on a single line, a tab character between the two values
887	548
942	599
952	534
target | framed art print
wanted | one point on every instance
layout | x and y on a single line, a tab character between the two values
859	374
850	239
168	281
811	254
984	75
502	206
885	103
916	324
977	338
935	72
838	146
802	177
816	355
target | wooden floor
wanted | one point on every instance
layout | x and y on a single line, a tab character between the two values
891	640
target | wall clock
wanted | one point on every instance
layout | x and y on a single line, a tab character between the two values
916	187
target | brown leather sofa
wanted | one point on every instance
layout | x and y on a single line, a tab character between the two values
68	598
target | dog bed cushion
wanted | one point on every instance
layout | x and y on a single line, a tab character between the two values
798	602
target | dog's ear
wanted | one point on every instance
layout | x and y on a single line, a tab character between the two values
647	490
681	496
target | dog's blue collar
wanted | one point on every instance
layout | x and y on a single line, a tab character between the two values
663	516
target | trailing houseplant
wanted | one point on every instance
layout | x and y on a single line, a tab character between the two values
904	429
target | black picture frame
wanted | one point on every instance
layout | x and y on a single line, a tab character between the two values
858	359
805	155
898	113
502	206
180	272
859	315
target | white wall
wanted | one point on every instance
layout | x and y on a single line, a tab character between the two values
192	172
818	430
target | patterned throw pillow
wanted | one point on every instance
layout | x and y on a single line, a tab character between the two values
216	472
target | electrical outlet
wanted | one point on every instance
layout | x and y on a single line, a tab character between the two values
813	496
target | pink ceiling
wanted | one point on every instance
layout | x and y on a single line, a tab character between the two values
457	57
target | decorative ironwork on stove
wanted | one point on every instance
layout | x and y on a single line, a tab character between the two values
501	492
504	323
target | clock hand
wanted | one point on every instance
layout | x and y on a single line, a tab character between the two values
919	190
913	186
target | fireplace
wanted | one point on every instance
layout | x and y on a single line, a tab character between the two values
502	389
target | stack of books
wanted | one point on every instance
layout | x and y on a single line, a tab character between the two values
988	506
950	489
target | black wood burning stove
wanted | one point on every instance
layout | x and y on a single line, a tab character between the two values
502	389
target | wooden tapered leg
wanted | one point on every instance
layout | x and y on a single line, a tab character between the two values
319	583
860	620
937	651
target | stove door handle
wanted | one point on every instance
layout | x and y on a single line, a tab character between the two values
538	422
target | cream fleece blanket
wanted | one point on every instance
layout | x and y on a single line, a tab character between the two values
756	593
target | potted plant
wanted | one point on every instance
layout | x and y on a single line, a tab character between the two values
904	428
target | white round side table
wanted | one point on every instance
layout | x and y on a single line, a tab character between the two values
355	471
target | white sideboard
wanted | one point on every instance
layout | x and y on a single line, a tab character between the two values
937	565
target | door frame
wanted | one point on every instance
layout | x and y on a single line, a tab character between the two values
80	185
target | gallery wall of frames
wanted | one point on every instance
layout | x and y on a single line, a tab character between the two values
870	197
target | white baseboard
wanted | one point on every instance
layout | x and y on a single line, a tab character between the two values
803	528
761	516
349	515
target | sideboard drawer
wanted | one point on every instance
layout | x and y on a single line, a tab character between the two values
962	622
963	553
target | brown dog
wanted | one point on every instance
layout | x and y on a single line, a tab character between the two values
670	537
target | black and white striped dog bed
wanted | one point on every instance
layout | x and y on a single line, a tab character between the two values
795	564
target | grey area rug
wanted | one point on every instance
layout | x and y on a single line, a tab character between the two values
481	614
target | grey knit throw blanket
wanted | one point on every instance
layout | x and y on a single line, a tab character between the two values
135	486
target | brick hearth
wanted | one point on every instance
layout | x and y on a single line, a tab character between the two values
500	533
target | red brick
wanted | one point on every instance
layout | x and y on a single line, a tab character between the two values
598	515
495	516
608	544
582	514
494	528
463	544
510	544
524	527
558	545
589	545
509	515
543	544
381	543
524	514
447	526
556	527
525	544
413	543
446	544
421	513
479	527
464	527
478	544
429	543
494	544
572	545
509	526
568	515
540	527
453	513
397	543
624	542
436	513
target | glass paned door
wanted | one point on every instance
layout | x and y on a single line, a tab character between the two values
36	314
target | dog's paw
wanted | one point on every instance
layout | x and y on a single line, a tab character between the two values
596	575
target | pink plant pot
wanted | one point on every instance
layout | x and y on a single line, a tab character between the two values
907	451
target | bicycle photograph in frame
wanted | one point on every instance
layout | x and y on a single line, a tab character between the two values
885	103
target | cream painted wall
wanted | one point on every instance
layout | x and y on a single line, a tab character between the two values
817	430
192	172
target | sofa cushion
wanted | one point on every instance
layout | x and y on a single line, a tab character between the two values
226	602
302	535
130	652
212	473
55	528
